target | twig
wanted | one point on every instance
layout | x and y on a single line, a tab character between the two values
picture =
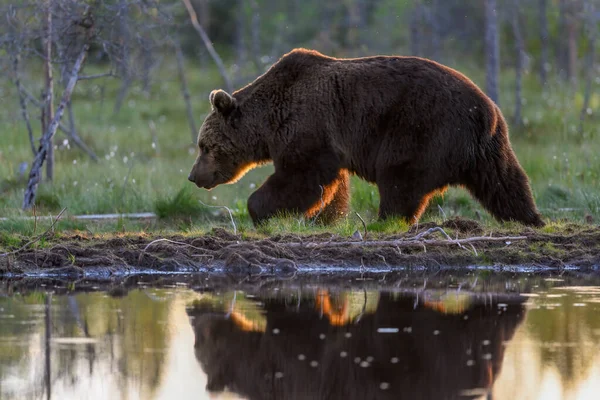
442	212
96	76
38	238
363	223
321	208
228	210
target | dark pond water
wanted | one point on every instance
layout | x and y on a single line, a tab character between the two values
533	340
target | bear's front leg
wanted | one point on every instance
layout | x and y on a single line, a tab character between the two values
305	193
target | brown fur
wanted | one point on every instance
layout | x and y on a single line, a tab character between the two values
430	366
410	125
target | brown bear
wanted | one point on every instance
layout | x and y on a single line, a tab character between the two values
410	125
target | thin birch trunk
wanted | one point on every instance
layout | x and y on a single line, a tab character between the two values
48	114
46	140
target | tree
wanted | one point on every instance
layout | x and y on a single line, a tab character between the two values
591	24
492	50
519	61
544	38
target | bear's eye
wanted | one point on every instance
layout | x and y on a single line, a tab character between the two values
204	149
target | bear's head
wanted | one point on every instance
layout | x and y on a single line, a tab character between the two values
223	155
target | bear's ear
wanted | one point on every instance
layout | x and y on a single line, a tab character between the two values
222	101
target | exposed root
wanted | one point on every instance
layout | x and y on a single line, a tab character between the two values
221	249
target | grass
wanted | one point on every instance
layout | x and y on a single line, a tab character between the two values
142	169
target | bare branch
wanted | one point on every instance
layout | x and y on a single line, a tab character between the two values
96	76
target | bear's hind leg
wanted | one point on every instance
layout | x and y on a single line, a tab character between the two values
503	189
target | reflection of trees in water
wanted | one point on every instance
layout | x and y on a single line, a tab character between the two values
567	332
310	350
129	347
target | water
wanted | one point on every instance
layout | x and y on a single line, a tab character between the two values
467	338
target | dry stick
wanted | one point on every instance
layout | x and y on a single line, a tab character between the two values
437	229
208	44
184	91
51	228
363	223
46	140
228	210
23	104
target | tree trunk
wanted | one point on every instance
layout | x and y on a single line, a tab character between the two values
48	134
125	70
240	35
434	24
255	34
519	61
592	28
561	47
48	113
492	50
208	44
416	20
185	92
47	348
23	103
572	46
543	22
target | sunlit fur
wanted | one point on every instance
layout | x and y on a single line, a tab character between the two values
242	171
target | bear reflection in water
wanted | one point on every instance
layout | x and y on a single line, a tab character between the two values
402	346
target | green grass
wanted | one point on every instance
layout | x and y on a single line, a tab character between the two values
137	175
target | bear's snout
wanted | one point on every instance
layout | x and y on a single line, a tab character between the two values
191	177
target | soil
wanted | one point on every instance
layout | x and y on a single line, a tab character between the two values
427	246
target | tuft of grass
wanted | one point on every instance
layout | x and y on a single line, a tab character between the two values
389	225
183	205
9	241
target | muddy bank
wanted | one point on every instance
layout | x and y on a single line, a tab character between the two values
456	243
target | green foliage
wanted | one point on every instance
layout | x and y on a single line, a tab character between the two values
183	205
